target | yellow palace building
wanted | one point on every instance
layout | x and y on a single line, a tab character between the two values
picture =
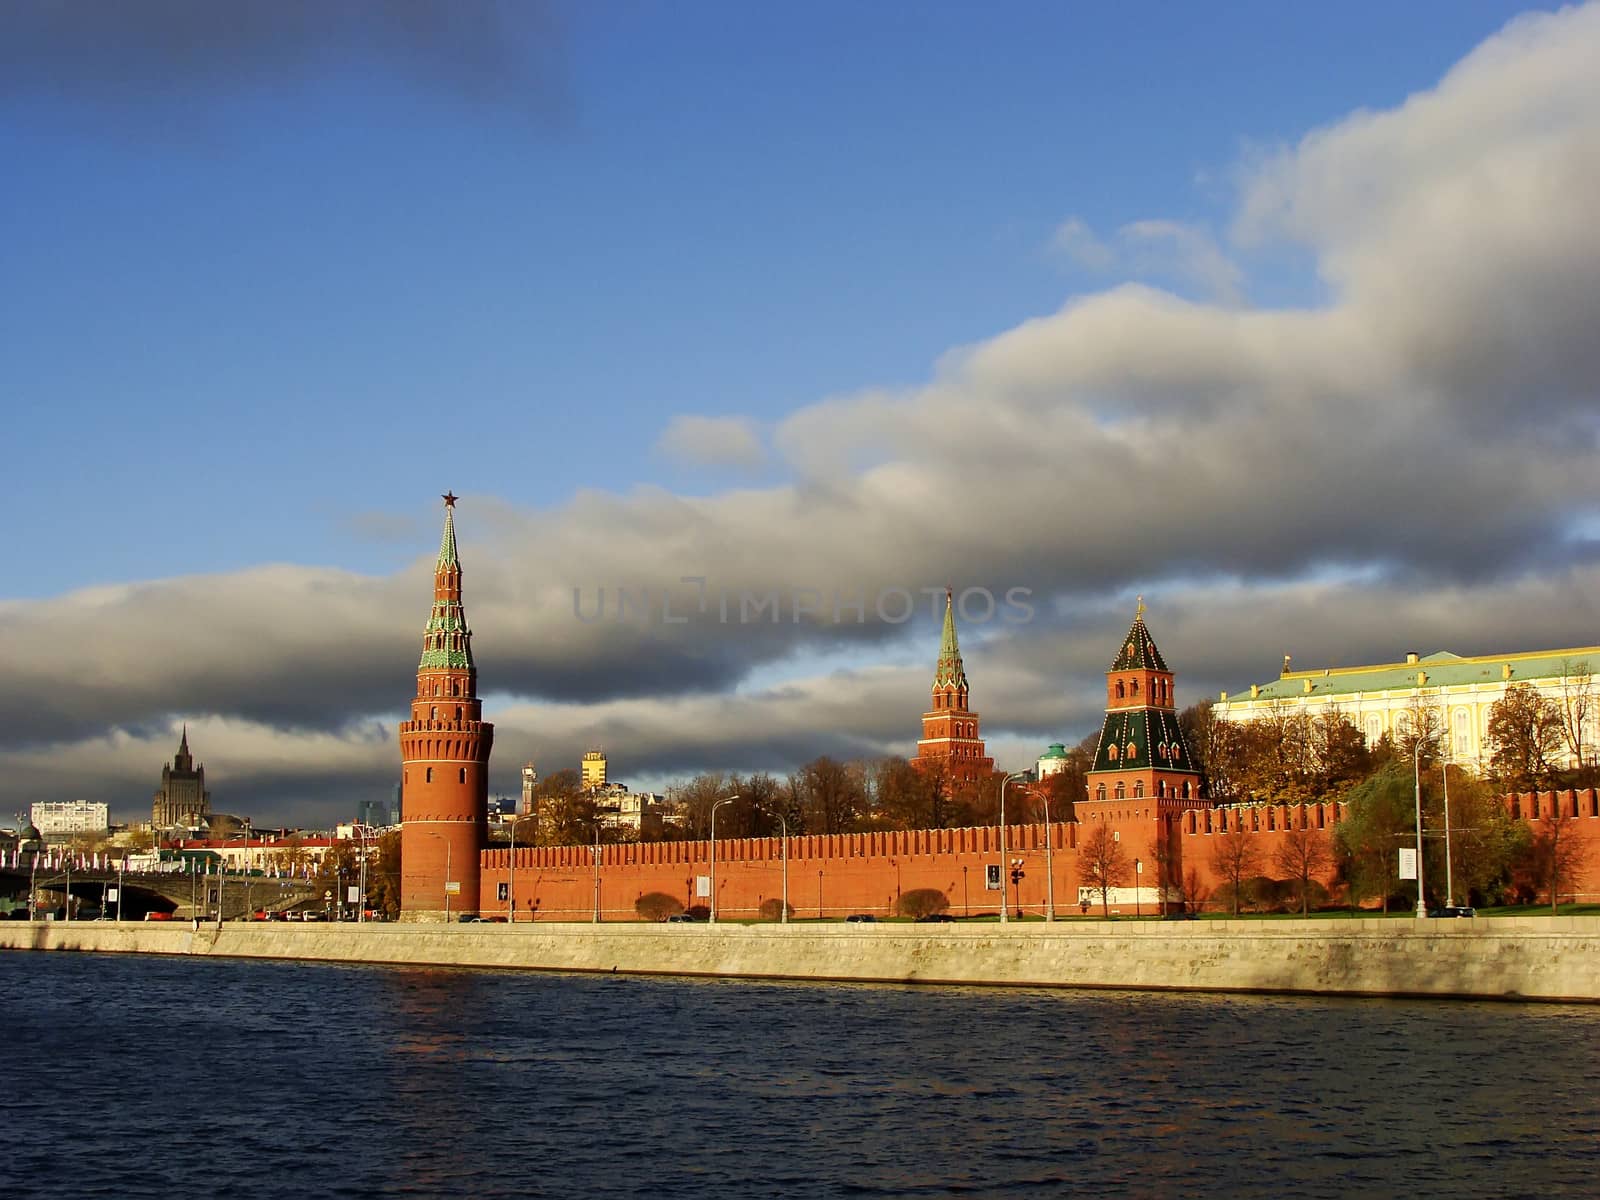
1379	699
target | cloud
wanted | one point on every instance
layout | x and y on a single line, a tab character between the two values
1154	249
109	55
1077	241
712	442
1401	467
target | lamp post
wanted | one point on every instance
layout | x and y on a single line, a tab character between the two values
1138	870
784	855
714	807
511	876
1449	876
247	909
611	810
1003	864
1049	873
1416	776
447	880
362	832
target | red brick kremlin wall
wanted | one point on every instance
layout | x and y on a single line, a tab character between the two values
837	875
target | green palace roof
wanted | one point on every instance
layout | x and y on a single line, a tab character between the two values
1056	750
1441	669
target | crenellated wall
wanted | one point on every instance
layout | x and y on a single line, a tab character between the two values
836	875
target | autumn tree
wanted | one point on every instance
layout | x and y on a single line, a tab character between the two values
1103	864
1236	857
1556	854
693	800
906	796
1303	854
1524	736
383	876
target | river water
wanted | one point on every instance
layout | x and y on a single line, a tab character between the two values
130	1076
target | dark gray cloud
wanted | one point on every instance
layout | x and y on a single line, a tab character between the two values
110	53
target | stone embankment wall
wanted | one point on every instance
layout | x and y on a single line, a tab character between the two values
1522	958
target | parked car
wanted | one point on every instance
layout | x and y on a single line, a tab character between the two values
469	918
1455	910
856	918
156	915
682	918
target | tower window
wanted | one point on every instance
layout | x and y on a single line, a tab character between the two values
463	774
1121	690
1134	686
429	778
433	714
1122	790
1138	790
1100	792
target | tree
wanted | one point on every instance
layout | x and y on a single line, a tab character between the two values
1556	854
907	796
1485	841
772	909
922	902
1236	856
1103	864
657	906
1379	818
1303	853
1524	735
831	797
383	876
566	813
1577	705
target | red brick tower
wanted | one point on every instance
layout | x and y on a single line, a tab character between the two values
1143	775
950	738
445	750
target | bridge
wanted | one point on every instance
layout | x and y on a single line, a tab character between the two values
176	893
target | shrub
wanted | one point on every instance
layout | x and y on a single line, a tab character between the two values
657	906
772	909
700	912
922	902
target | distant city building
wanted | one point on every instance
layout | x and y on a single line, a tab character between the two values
640	814
1380	698
594	770
530	780
182	799
380	814
950	741
63	818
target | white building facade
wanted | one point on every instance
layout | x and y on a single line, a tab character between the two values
62	818
1381	698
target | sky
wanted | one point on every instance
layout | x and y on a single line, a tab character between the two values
1280	316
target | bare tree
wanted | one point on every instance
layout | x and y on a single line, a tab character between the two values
1103	864
1302	855
1577	705
1236	856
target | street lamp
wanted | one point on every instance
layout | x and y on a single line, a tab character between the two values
1138	870
447	880
784	854
362	832
1003	783
1416	776
1049	873
511	876
1444	770
714	807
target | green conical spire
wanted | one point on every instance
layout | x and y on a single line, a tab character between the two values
950	673
447	542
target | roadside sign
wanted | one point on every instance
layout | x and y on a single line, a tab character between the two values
452	888
1408	864
702	886
353	894
112	894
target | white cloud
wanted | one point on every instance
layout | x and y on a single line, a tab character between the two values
712	442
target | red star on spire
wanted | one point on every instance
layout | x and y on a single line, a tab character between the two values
449	499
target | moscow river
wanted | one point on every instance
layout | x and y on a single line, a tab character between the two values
141	1076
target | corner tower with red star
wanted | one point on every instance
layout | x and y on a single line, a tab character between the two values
444	749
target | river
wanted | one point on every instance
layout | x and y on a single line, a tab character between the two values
142	1076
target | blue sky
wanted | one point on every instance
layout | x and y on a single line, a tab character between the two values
1262	310
241	314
